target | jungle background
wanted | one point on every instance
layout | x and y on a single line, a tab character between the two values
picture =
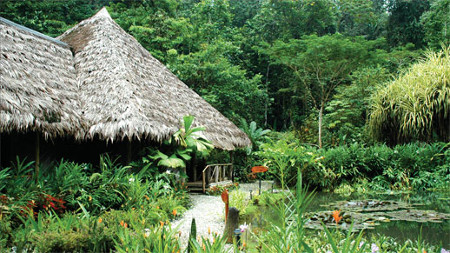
343	96
313	72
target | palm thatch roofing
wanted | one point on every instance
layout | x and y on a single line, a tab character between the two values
95	81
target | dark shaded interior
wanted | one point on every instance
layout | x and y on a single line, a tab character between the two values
24	146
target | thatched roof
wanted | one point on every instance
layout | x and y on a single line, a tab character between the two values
37	83
109	87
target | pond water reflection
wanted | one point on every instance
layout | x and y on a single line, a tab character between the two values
433	233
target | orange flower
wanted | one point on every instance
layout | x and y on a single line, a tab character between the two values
157	207
161	223
100	220
336	216
121	223
125	225
174	212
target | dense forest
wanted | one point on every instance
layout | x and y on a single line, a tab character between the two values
347	98
309	66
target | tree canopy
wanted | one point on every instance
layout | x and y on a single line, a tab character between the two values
285	64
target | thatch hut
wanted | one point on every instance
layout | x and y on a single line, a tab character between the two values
92	89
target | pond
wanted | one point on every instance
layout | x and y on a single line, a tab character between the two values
401	216
431	232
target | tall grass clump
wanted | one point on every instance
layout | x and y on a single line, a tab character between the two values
415	106
287	234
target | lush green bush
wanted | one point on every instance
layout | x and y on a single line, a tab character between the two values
415	166
415	106
76	207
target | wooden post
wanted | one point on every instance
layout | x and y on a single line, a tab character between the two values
224	176
129	154
183	179
231	161
204	181
194	167
231	224
0	150
37	156
231	172
217	171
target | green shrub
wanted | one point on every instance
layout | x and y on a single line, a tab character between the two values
50	233
241	201
5	230
139	238
216	246
68	180
414	166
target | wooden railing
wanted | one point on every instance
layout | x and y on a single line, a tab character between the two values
214	173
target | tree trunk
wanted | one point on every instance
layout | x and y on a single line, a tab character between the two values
320	125
266	104
37	156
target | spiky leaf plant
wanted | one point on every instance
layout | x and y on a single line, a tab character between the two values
415	106
192	235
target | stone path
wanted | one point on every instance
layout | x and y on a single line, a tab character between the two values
209	213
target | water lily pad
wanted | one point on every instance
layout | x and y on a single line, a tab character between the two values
366	214
369	205
418	215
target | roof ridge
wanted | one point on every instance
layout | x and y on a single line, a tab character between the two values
33	32
103	12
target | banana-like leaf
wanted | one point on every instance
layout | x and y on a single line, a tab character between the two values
172	162
188	120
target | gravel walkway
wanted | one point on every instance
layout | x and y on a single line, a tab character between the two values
209	213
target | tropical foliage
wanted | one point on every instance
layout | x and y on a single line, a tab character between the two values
249	59
415	106
355	94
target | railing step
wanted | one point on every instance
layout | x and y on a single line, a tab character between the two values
195	189
194	184
221	183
